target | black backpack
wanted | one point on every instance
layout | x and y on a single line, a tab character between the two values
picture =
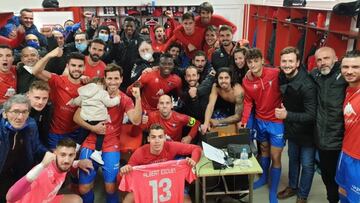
50	4
347	9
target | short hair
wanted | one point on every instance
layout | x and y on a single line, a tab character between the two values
166	55
75	55
97	80
253	53
5	46
81	33
211	28
289	50
206	6
16	99
25	10
145	26
225	70
243	50
156	126
200	53
67	142
129	19
30	48
39	85
352	54
191	67
157	26
188	16
225	28
68	20
103	27
97	41
112	67
176	45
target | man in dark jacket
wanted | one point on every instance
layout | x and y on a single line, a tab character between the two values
298	112
329	134
222	57
125	52
20	147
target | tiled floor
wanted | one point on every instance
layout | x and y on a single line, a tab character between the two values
317	193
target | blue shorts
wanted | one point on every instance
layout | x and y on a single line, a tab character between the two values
270	132
53	138
347	176
110	168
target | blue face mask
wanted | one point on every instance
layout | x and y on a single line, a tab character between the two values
10	127
33	44
103	37
81	46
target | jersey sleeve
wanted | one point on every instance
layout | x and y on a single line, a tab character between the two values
126	183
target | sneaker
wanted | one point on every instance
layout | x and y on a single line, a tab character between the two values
286	193
301	200
96	156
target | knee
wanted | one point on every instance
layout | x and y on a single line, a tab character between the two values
77	199
265	148
110	188
129	198
83	189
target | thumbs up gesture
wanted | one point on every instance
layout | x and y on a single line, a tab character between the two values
281	112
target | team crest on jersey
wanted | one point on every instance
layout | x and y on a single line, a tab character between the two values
173	125
270	82
160	92
156	80
67	88
170	84
255	86
348	110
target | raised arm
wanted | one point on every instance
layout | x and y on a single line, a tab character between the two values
210	109
38	69
135	114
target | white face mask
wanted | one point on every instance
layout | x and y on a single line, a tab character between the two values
147	56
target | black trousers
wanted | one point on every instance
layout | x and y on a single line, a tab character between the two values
328	164
99	137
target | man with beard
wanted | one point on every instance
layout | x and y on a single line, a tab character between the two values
125	49
29	57
232	95
222	57
7	74
112	131
347	173
298	112
63	89
157	83
42	183
201	63
173	122
94	66
329	131
195	96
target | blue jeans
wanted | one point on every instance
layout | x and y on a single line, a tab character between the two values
304	157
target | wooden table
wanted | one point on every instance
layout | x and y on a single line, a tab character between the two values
205	169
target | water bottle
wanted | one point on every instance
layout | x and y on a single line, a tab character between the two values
244	158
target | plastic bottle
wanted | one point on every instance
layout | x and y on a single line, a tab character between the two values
244	158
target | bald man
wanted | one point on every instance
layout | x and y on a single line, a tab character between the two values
329	128
29	57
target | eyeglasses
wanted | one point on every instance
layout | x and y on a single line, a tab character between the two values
17	112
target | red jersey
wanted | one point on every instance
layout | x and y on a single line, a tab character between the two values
7	84
351	141
62	90
174	125
162	182
216	20
195	39
142	155
153	85
264	91
94	71
45	187
113	129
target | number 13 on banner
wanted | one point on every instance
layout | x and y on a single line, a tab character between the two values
163	184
